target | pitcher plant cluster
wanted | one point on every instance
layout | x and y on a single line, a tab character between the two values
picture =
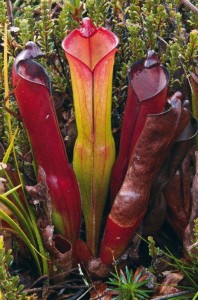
154	129
89	209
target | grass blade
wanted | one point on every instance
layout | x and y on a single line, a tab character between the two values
23	236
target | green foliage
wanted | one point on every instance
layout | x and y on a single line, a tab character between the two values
97	11
69	17
129	286
44	26
25	227
153	16
137	44
3	13
1	77
191	53
153	250
66	21
26	23
10	285
174	63
188	267
195	229
192	17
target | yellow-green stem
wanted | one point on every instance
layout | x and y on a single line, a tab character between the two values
6	82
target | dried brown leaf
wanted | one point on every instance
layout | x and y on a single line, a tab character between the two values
59	248
100	291
169	284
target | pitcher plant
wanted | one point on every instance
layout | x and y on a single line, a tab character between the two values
90	52
152	130
33	94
